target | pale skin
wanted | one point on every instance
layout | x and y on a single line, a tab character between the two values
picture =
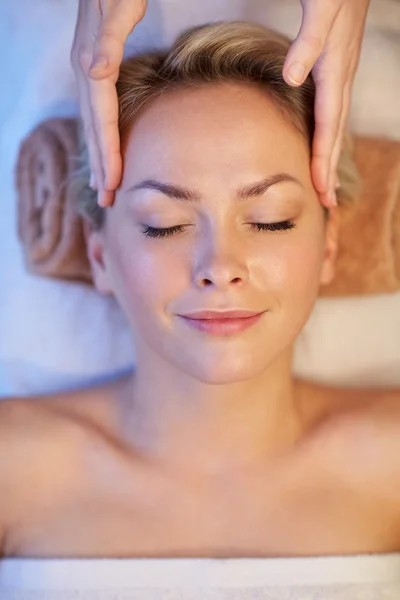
210	448
328	44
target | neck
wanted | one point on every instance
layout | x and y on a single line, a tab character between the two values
204	429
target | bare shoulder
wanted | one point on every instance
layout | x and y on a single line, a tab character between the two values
29	425
38	448
34	429
364	440
347	411
42	440
378	433
10	413
373	421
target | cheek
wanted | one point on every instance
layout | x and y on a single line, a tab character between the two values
306	264
292	266
146	274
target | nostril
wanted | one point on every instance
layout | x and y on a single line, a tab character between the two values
207	282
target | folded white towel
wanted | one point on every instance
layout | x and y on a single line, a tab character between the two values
356	577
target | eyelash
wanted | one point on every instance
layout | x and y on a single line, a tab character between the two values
161	233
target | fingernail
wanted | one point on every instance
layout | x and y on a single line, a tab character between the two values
297	72
99	63
337	183
103	199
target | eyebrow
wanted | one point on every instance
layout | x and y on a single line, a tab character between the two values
179	193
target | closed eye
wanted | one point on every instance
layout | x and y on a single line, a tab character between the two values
168	231
282	225
160	233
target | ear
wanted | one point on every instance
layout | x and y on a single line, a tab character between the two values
95	242
331	246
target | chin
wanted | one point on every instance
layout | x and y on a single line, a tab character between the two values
224	371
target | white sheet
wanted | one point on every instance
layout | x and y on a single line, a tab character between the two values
357	577
55	335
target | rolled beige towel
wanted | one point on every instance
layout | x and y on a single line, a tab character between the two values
369	235
51	231
49	227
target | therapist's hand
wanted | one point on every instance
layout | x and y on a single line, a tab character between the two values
97	52
329	44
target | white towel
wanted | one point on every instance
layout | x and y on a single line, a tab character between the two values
356	577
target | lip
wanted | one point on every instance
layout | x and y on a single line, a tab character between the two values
225	314
222	323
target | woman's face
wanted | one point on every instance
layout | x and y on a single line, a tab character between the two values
206	173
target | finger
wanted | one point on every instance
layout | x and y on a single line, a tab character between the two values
118	22
317	20
81	17
340	137
106	198
88	121
104	108
96	168
327	114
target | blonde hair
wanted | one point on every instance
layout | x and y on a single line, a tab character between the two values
224	51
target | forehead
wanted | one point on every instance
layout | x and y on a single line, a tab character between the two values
225	126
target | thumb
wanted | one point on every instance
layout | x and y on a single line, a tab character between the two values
117	23
317	20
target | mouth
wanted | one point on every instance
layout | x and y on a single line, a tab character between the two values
222	323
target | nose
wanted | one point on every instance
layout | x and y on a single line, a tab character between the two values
220	266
